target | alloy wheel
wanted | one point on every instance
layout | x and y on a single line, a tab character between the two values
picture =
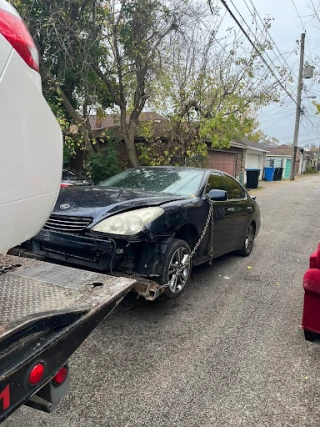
249	239
177	281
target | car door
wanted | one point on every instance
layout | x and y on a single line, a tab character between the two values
238	212
221	231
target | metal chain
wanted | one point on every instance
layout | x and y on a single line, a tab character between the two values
8	267
210	220
211	251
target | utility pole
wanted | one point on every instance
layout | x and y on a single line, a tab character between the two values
298	109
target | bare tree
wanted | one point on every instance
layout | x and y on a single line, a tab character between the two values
214	82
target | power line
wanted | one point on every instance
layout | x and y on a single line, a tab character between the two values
314	126
273	123
256	49
271	60
250	30
262	77
291	136
266	29
303	26
271	120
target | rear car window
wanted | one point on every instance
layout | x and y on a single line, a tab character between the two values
234	189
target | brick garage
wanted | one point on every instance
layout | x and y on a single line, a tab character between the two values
230	160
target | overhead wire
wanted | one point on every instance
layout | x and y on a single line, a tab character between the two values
275	122
257	13
257	50
285	63
267	31
303	25
283	114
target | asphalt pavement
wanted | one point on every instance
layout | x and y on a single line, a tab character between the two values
229	352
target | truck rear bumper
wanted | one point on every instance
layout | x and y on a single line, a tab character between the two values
47	310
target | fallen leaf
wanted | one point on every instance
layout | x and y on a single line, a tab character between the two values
249	267
306	378
278	284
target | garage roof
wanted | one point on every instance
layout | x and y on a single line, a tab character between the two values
246	143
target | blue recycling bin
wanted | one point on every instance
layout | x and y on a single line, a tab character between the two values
268	173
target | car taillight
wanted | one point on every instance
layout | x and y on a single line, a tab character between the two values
65	185
14	30
36	374
60	376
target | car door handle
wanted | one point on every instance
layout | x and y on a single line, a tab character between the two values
230	209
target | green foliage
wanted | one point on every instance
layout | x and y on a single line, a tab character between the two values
67	35
69	151
133	53
310	170
104	164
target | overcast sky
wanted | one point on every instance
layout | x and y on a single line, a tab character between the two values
278	120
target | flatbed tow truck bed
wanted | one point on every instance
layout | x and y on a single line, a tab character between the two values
46	312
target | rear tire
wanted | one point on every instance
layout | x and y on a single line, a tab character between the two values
174	257
248	241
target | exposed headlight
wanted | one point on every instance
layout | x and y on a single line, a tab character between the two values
128	223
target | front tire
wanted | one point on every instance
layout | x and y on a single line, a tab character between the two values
248	241
174	258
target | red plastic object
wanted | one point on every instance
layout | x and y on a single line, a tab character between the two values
61	376
311	307
15	31
315	258
36	373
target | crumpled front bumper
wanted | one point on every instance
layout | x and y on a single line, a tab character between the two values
81	250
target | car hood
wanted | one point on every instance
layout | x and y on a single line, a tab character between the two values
100	202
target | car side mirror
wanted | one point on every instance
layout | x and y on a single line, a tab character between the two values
218	195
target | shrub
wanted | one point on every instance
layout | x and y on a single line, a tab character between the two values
101	166
310	169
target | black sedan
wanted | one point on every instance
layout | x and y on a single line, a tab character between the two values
149	220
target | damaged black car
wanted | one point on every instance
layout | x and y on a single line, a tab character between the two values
155	222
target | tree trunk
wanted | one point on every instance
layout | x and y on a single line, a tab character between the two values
129	133
82	126
129	139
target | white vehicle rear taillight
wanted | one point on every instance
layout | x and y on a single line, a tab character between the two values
14	30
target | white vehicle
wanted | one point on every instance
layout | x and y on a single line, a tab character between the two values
31	140
46	311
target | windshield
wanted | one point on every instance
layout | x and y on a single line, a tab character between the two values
180	182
